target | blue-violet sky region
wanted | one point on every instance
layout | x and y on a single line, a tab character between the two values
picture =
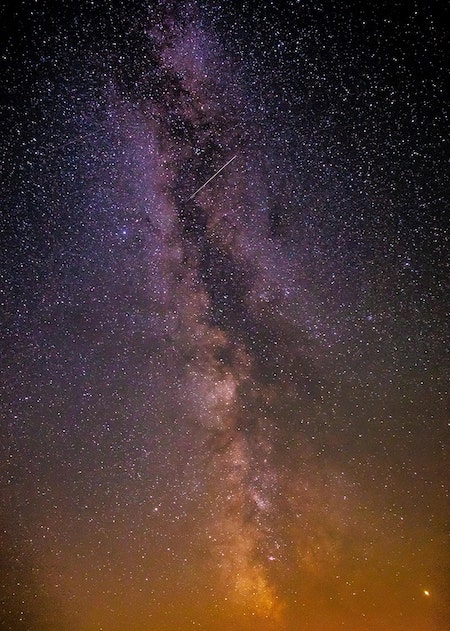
224	393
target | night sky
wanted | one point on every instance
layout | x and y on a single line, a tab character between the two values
223	406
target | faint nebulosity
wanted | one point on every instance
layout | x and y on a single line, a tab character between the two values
224	406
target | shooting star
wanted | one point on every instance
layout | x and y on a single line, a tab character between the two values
212	177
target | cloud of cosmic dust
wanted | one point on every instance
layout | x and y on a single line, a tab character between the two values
191	106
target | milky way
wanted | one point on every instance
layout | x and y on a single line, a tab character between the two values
223	296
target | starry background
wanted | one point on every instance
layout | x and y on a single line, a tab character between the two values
227	410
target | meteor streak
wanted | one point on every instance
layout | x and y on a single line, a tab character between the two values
212	177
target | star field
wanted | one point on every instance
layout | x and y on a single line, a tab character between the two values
224	391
